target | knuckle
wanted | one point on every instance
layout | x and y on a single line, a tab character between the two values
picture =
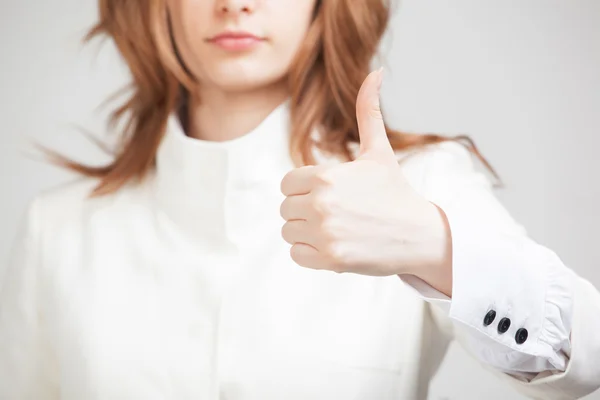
336	266
286	209
335	255
320	205
375	112
283	209
297	255
284	184
324	176
328	230
323	203
284	232
294	254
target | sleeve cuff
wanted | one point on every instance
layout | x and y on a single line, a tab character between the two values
512	298
428	293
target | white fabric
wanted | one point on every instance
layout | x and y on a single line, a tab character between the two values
182	288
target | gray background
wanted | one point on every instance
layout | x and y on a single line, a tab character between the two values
521	77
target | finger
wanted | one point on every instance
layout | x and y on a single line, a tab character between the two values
298	181
306	256
298	231
296	208
373	136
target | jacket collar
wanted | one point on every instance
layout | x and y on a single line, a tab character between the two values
198	181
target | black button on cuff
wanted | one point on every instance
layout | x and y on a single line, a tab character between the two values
489	317
521	336
503	325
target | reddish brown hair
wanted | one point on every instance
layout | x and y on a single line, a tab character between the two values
324	81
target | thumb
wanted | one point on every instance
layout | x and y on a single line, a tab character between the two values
373	138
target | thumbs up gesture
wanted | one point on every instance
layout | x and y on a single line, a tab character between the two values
363	216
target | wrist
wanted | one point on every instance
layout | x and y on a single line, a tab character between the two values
434	264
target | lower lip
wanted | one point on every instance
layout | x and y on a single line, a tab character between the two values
236	44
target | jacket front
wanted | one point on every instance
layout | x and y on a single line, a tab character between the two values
181	287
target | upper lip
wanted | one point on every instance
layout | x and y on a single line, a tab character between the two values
234	35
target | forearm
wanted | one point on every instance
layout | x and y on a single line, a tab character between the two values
436	252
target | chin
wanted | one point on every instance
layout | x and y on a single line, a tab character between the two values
243	78
235	84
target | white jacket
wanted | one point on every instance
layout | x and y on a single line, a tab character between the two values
182	288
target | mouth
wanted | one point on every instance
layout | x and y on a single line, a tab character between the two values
235	40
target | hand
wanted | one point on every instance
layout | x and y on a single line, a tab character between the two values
363	216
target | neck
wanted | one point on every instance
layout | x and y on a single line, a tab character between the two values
223	115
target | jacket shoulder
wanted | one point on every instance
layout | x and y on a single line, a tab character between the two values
446	154
71	205
429	167
65	201
67	195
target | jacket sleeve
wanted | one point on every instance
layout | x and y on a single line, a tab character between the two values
515	306
25	373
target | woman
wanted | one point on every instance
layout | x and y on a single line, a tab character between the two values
250	126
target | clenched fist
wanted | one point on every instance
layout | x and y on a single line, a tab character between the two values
363	216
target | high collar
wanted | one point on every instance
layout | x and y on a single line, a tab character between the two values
212	190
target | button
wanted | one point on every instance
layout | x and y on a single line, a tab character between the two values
489	317
503	325
521	336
